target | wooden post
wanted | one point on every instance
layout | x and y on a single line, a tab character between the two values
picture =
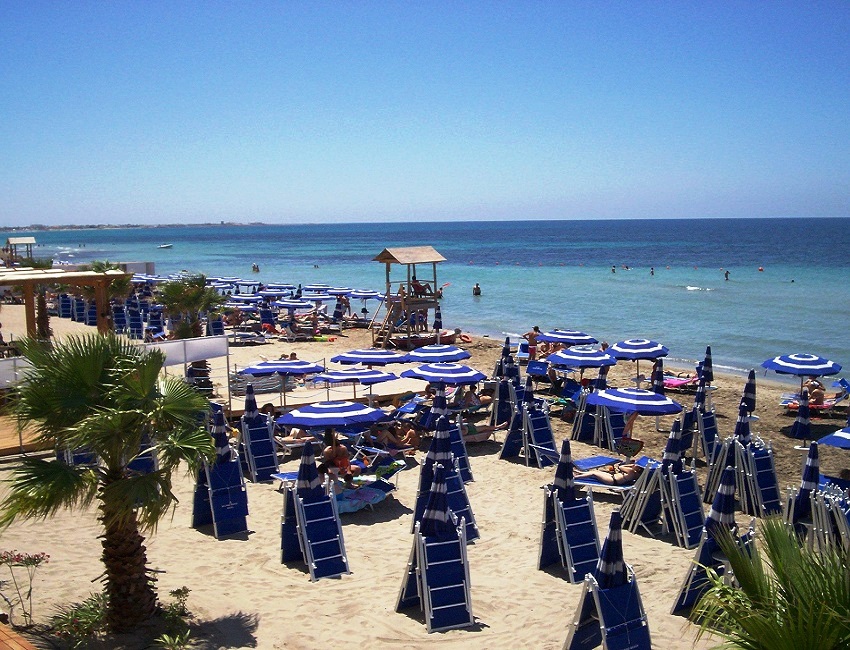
101	304
29	309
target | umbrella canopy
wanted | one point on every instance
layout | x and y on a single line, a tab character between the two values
436	520
365	294
742	425
283	367
707	368
645	402
840	438
251	410
218	430
308	484
750	391
802	365
318	287
331	414
635	349
581	357
567	337
809	483
450	373
802	428
657	377
370	357
722	513
438	318
611	568
563	483
672	459
339	291
282	286
365	376
292	304
438	353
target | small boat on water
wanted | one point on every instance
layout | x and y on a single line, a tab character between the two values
165	245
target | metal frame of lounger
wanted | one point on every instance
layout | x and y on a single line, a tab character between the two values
456	497
682	504
645	494
259	447
568	535
221	499
608	427
537	433
584	422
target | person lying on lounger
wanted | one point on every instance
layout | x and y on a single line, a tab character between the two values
473	399
336	459
620	474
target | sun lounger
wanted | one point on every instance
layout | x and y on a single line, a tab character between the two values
680	383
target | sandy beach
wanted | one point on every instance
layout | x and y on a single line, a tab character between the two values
243	597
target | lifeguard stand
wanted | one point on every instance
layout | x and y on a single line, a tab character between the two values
409	299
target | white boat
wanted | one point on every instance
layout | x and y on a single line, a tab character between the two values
165	245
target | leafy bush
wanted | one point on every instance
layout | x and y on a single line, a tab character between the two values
82	622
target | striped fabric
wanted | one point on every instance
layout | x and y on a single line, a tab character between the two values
722	513
742	425
308	485
750	391
251	410
218	430
672	459
802	429
436	520
611	569
563	483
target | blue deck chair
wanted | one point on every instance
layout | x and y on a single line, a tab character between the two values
642	506
608	428
538	434
568	535
258	446
135	326
91	314
65	305
119	319
522	353
689	428
708	439
539	370
78	456
584	424
78	313
221	499
682	502
757	476
215	327
502	409
515	437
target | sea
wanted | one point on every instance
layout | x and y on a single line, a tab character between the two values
788	286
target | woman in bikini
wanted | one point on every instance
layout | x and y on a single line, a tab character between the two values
620	474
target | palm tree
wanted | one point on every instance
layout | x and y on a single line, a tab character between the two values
790	597
106	394
189	298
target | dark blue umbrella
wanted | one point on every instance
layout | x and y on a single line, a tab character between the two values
840	439
611	569
657	377
339	291
317	287
809	483
283	367
364	376
699	396
528	394
450	373
506	348
439	405
331	414
218	430
563	483
308	484
251	410
581	357
672	458
722	513
567	337
707	368
802	365
742	425
802	428
511	370
438	318
370	357
637	349
436	520
438	353
645	402
440	452
750	391
499	370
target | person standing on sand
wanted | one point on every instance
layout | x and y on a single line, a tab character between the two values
531	337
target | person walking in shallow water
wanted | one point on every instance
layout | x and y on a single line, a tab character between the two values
476	290
726	275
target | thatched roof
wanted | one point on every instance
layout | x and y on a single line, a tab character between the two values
409	255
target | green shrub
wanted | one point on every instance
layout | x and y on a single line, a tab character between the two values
81	622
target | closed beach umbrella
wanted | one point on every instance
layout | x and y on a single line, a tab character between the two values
280	286
840	439
438	353
722	513
218	429
645	402
331	414
672	459
742	425
451	373
563	483
611	569
436	520
308	484
512	370
567	337
370	357
499	370
439	453
528	394
809	483
251	410
657	378
581	357
707	368
750	391
438	318
802	429
699	396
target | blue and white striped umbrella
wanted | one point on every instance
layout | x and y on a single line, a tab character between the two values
602	380
438	318
450	373
251	410
840	439
707	367
499	370
657	377
563	483
318	297
438	353
218	430
672	459
645	402
365	376
611	569
370	357
808	484
283	367
802	427
439	404
750	391
339	310
722	513
528	394
339	291
272	293
567	337
308	484
280	286
802	364
365	294
317	287
331	414
436	520
440	452
511	370
581	357
742	425
292	304
699	396
635	349
506	348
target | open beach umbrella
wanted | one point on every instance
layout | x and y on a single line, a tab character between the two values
567	337
637	349
438	353
611	569
563	482
365	376
365	294
581	357
840	439
308	484
436	520
803	365
802	427
438	318
722	513
451	373
645	402
742	425
292	304
331	414
707	368
251	410
317	287
750	391
808	484
280	286
339	291
218	430
672	459
370	357
283	367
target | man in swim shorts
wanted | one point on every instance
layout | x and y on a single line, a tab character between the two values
531	337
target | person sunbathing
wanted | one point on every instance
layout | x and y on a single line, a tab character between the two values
336	459
473	400
620	474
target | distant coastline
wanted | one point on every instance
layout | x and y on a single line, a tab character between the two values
128	226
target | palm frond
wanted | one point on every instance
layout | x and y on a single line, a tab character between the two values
143	497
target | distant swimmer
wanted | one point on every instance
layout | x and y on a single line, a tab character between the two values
255	268
613	269
652	270
761	269
476	290
726	275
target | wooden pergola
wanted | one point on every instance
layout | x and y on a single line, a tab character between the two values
28	278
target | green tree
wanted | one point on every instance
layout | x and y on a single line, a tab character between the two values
789	597
106	394
189	298
118	288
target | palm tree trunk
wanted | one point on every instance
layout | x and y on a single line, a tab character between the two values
129	585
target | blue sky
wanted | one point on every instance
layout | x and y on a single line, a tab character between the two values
177	112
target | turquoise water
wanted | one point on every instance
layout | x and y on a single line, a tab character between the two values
554	274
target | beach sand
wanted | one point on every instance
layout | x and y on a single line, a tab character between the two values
244	597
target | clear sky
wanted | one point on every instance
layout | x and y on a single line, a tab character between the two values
178	112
